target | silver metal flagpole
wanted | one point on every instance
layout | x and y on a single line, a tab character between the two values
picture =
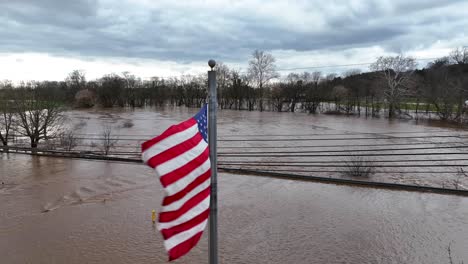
213	242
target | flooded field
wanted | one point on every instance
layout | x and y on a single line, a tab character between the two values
56	210
426	154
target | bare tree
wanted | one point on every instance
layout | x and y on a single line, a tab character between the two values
277	96
38	118
294	90
262	69
75	81
338	93
396	71
76	78
108	139
313	93
7	111
68	139
459	55
239	90
438	63
130	93
6	120
110	91
444	91
222	79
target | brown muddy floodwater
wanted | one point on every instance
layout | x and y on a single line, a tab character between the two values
56	210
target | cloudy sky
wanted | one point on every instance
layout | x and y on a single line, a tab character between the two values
47	39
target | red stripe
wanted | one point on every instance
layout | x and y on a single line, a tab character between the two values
165	217
170	131
181	172
169	232
174	151
175	197
184	247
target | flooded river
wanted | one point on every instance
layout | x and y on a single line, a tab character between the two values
426	154
56	210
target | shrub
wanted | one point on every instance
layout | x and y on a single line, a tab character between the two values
358	166
127	124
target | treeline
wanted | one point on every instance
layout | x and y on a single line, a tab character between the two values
394	87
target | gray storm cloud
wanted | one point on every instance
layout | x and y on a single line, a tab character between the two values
186	33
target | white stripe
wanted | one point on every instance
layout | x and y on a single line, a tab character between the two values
169	142
183	236
189	178
196	210
181	160
177	204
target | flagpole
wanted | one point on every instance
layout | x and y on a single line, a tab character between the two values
212	131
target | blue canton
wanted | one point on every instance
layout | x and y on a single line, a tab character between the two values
202	120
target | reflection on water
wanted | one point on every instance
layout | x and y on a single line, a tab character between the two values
75	211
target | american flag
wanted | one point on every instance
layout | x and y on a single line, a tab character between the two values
180	158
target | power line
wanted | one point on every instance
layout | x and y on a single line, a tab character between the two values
291	139
337	65
336	146
338	134
275	135
341	138
132	136
301	68
342	65
339	151
349	166
278	140
300	163
340	155
309	151
137	146
344	171
325	66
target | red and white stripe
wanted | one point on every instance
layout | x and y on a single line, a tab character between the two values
180	158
